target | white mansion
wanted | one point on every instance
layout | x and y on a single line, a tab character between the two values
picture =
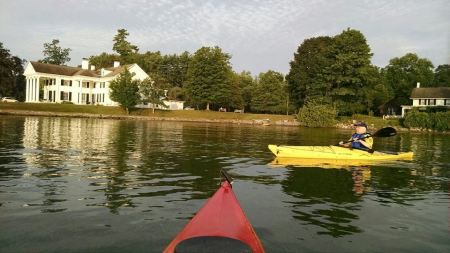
86	85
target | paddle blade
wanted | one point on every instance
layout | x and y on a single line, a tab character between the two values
385	132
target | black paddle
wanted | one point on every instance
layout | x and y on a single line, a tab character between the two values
383	132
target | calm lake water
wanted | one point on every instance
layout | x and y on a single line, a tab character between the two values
92	185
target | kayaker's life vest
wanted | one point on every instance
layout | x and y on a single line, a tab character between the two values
358	145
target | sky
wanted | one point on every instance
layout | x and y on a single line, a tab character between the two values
259	35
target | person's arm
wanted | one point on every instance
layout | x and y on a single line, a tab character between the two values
367	142
347	144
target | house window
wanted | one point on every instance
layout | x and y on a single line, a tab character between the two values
447	102
422	102
431	101
66	96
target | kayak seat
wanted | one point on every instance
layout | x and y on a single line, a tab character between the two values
212	244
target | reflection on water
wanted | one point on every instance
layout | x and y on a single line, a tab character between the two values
117	180
326	198
125	160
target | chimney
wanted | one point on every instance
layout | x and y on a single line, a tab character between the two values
116	64
92	67
85	63
418	85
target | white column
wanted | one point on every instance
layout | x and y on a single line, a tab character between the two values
26	89
57	90
37	89
32	90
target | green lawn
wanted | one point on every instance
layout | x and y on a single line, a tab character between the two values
113	110
371	121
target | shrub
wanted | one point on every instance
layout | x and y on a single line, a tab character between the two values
438	121
417	119
441	121
314	114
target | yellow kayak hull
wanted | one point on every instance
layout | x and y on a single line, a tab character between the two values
335	153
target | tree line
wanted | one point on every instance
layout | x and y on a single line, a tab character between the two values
335	71
338	71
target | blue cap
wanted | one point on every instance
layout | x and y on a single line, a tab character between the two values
360	123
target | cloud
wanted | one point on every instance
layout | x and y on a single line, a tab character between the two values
260	35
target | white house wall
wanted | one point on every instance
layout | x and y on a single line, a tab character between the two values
439	101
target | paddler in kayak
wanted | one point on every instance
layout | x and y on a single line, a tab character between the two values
361	139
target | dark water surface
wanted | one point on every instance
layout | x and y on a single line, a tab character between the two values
91	185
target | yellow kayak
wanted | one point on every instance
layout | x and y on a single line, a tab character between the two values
335	153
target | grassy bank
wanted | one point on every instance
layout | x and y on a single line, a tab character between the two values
343	122
113	110
371	121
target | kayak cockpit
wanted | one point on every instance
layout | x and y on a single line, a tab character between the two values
217	244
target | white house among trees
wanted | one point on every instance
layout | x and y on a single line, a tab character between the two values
85	85
428	97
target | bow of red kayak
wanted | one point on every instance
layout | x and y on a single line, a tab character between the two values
219	220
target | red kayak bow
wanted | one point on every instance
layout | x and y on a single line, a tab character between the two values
220	223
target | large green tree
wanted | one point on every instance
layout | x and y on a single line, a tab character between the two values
12	80
351	60
402	75
148	61
153	90
242	85
375	91
55	54
209	76
122	46
174	68
335	70
442	76
247	84
307	77
103	60
176	93
270	94
125	91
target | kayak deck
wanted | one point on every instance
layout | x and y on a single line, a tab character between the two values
220	217
335	153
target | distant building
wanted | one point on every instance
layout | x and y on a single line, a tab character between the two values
391	108
86	85
428	97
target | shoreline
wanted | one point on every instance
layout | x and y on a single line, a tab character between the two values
256	122
253	122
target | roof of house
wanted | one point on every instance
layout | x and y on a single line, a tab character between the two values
435	92
72	71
